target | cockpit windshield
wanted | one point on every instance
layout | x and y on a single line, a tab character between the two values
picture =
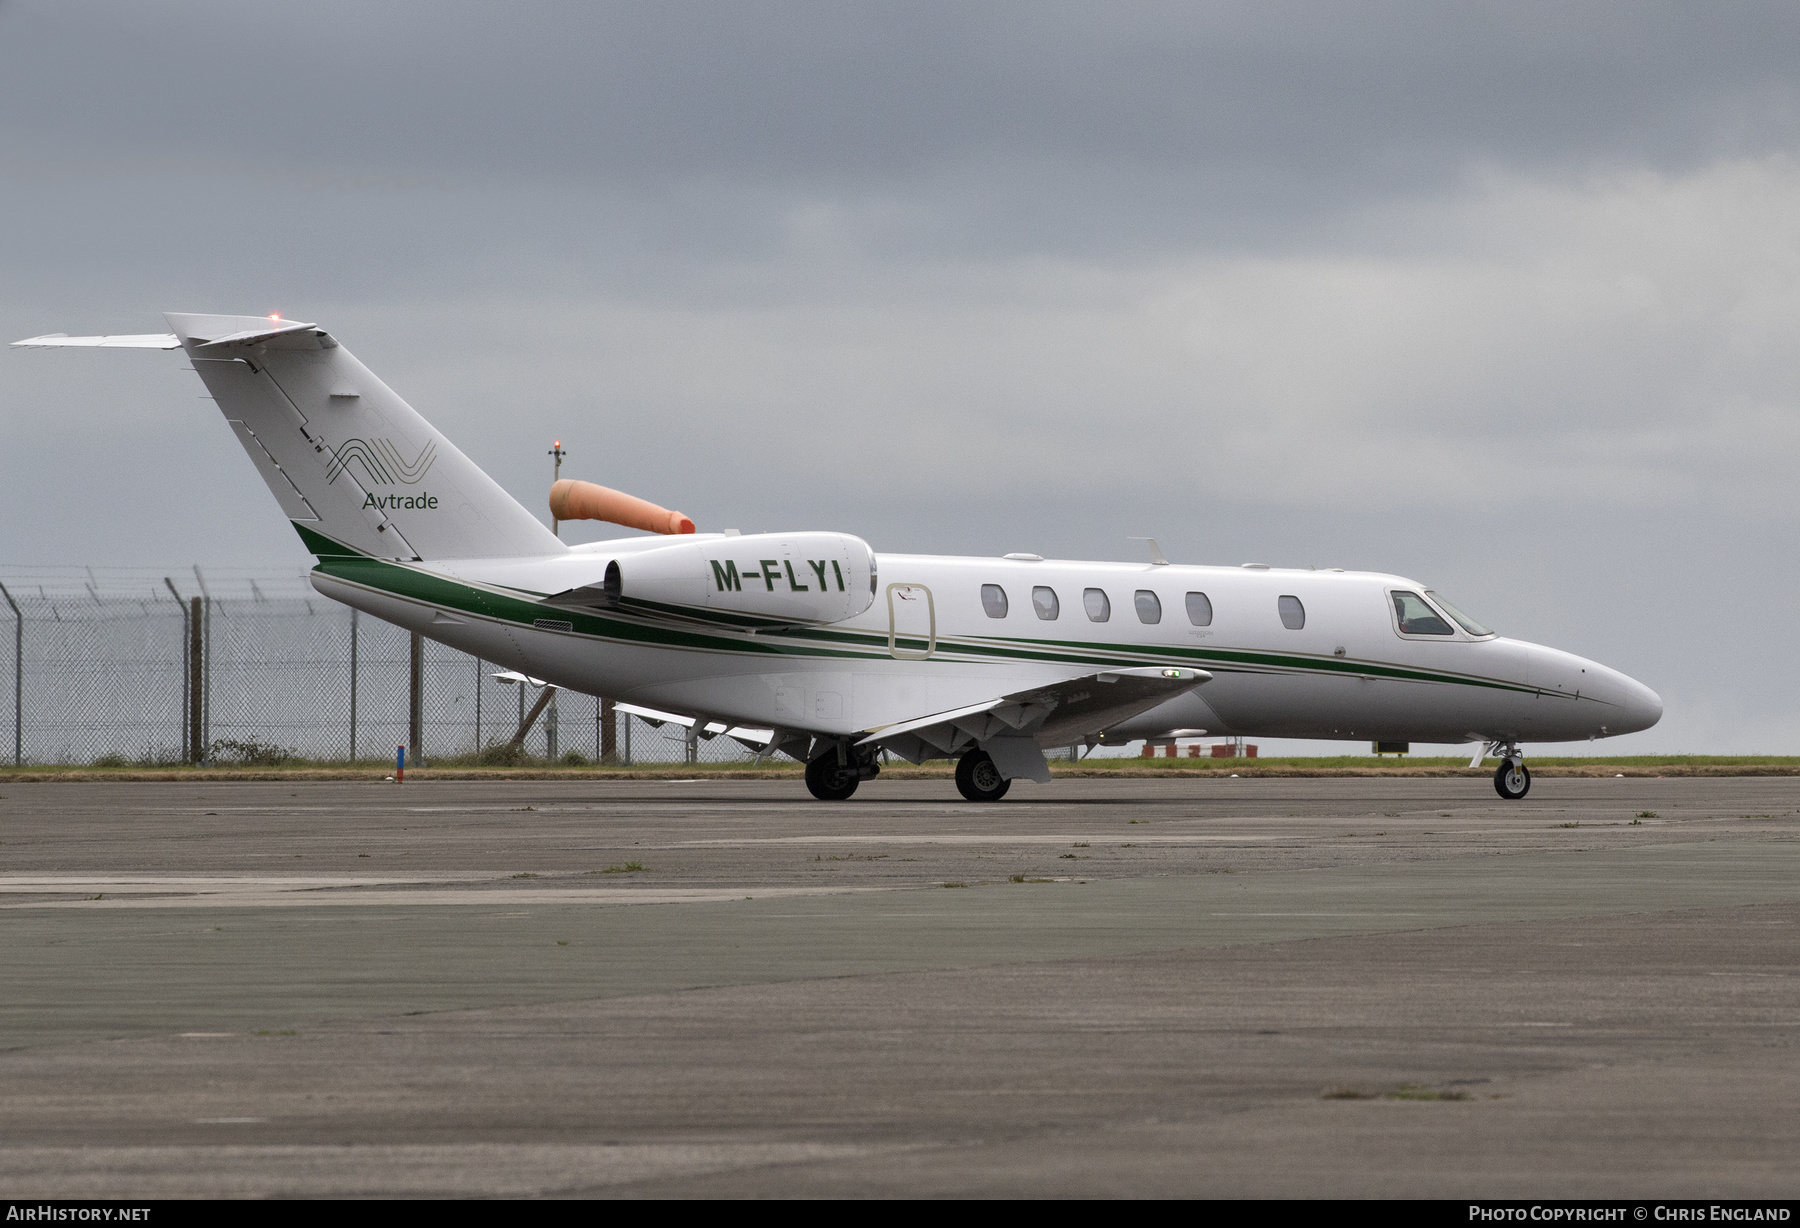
1416	617
1468	624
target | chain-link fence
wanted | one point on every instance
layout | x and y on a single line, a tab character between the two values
118	666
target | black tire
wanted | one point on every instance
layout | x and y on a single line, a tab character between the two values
828	782
1512	781
978	779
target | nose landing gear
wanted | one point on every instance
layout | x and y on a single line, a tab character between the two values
1512	779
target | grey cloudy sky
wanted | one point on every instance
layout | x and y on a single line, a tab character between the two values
1499	296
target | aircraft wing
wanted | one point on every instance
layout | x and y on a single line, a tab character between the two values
140	341
1062	713
760	740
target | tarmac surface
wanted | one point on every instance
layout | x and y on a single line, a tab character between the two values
1257	987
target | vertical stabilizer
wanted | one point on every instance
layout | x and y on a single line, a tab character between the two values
353	466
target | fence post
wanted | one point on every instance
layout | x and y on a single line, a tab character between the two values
186	700
625	750
479	667
196	684
550	730
415	699
609	732
354	612
18	679
203	686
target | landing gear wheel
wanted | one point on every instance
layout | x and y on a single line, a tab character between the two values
828	782
978	779
1512	780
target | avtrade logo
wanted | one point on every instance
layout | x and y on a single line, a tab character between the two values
380	462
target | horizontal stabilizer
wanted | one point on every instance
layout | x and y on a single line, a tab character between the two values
140	341
251	336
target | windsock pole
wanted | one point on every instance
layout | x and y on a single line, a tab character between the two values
556	453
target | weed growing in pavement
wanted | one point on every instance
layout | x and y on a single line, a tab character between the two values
1414	1091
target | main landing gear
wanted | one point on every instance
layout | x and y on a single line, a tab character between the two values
978	779
834	775
1512	779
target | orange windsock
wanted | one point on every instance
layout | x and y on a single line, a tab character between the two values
572	500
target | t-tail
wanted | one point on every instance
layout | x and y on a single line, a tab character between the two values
354	467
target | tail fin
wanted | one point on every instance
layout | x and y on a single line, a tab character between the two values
355	468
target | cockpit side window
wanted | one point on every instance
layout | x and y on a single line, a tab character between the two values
1417	618
993	600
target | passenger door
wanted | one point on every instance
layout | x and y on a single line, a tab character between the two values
912	622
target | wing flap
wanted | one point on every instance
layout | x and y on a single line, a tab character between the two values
699	727
1054	715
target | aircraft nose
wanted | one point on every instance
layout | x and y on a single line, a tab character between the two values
1644	706
1640	708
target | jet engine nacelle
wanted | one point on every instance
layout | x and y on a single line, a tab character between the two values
786	577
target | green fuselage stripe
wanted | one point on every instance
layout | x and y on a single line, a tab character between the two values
523	608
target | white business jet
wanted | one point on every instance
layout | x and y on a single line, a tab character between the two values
810	644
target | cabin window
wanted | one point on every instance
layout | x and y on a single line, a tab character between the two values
1417	618
1199	610
1293	614
1099	609
1043	600
1149	609
1468	624
993	600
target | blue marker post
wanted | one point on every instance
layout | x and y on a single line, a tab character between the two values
400	765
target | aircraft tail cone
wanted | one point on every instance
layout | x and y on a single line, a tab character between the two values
573	500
